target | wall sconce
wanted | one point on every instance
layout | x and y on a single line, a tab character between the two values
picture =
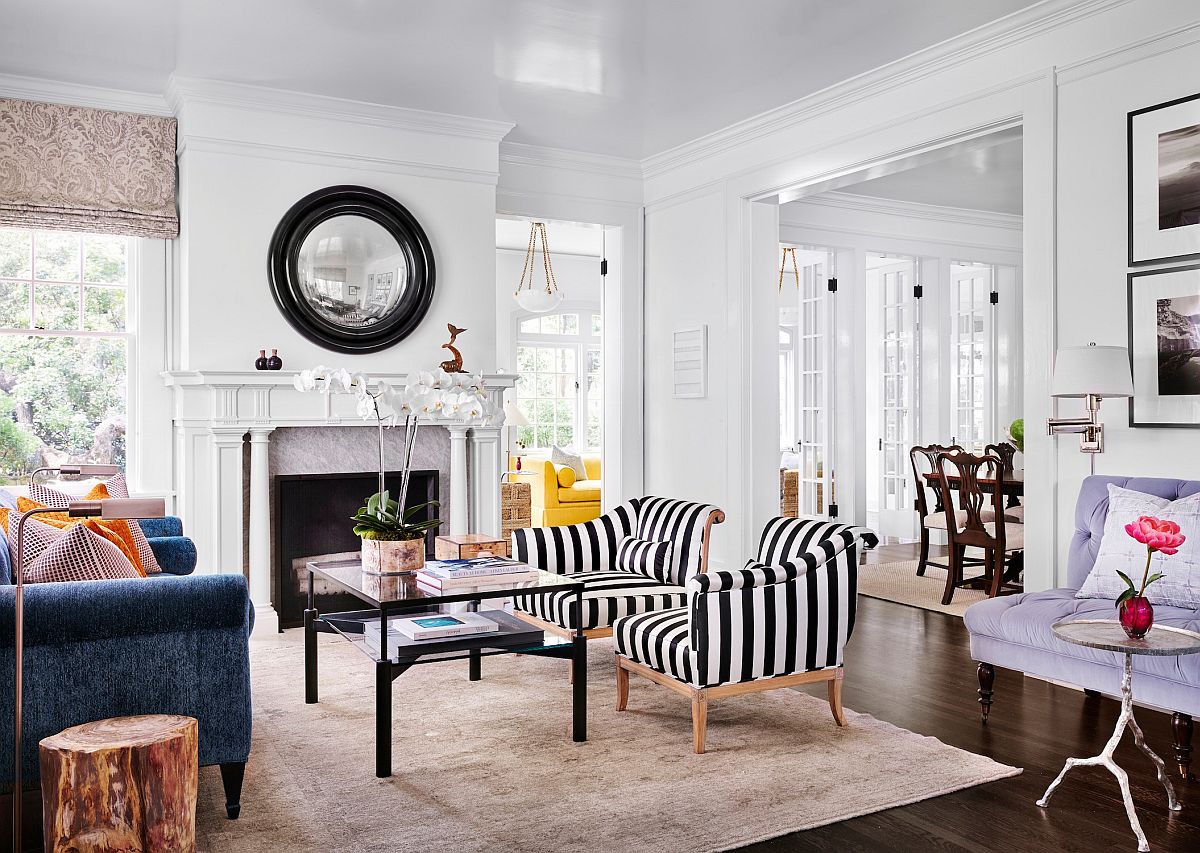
1091	373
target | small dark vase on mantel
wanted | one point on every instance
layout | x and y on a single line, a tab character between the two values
274	362
260	363
1137	616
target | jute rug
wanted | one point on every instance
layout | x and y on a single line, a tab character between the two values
489	765
899	582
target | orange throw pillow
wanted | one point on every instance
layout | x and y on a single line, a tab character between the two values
115	530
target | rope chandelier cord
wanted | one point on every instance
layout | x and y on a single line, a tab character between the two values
538	229
789	250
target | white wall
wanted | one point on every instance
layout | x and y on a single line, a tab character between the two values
993	78
1092	238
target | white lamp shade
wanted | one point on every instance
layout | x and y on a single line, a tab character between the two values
513	416
538	301
1100	371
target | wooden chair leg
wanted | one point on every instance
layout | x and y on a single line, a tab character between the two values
699	720
954	572
996	561
835	698
987	677
923	561
622	686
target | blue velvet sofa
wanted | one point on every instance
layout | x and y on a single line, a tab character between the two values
172	643
1014	631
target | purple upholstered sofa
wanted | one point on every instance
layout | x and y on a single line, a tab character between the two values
1014	631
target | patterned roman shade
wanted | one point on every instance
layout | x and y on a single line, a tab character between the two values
83	169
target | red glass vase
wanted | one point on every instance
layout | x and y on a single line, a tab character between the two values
1137	616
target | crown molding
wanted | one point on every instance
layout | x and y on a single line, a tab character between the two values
82	95
539	156
184	90
1127	54
335	159
1036	20
911	210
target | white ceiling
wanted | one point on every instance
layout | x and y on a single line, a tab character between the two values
566	238
984	178
622	77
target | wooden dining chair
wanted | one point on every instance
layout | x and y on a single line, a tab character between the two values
980	482
933	514
1013	511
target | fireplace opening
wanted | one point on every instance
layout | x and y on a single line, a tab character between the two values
313	514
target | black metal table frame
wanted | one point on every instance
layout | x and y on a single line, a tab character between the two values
387	670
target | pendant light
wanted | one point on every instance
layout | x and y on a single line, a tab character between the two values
541	299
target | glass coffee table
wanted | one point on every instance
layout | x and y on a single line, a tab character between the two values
1107	634
388	596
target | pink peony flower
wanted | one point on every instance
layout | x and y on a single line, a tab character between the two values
1157	534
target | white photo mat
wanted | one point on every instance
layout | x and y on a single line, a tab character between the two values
1148	407
1147	241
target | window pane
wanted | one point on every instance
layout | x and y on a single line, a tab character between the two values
525	359
530	325
57	306
16	253
570	324
596	324
104	259
14	306
552	324
566	436
68	396
104	309
56	256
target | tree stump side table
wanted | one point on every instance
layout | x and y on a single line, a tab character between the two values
1107	634
127	783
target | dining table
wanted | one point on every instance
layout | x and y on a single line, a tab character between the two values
1013	485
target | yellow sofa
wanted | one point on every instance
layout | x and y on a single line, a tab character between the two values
557	497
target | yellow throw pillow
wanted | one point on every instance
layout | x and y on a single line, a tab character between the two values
566	476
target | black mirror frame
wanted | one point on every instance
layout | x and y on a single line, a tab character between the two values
347	200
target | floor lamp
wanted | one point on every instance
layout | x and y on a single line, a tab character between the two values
124	508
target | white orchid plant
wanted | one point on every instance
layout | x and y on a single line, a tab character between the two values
455	397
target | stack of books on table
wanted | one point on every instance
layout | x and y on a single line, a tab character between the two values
448	575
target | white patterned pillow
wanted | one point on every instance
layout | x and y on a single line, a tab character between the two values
572	460
643	557
1180	584
114	487
37	535
79	555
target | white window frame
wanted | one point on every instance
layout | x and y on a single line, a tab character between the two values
581	343
133	275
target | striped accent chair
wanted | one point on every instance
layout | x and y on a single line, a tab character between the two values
609	554
781	621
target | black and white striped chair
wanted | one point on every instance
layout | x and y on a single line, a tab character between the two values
633	559
781	621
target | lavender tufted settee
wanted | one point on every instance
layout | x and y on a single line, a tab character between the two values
1014	631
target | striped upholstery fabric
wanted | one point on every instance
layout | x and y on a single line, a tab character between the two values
785	539
760	621
586	547
643	557
607	597
679	522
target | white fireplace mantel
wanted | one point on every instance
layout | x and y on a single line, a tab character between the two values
212	413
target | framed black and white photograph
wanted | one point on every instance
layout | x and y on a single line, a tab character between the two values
1164	347
1164	182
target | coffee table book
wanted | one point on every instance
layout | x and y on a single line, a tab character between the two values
509	632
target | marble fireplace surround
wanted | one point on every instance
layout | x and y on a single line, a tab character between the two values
213	414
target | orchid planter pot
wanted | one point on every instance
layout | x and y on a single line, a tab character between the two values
1137	617
392	557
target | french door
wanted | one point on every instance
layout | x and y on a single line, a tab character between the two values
898	380
973	356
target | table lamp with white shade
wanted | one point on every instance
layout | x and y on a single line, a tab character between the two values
513	417
1090	373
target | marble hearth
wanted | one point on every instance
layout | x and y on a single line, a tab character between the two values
216	413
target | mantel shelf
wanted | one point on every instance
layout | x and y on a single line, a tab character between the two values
285	378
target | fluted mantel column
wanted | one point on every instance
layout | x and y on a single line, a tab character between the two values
458	479
260	517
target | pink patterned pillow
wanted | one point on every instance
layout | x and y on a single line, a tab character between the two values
38	536
114	487
79	555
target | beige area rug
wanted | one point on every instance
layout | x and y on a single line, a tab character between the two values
899	582
489	765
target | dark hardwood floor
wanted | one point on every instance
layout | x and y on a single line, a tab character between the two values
913	668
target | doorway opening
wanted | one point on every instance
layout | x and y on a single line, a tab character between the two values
555	413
